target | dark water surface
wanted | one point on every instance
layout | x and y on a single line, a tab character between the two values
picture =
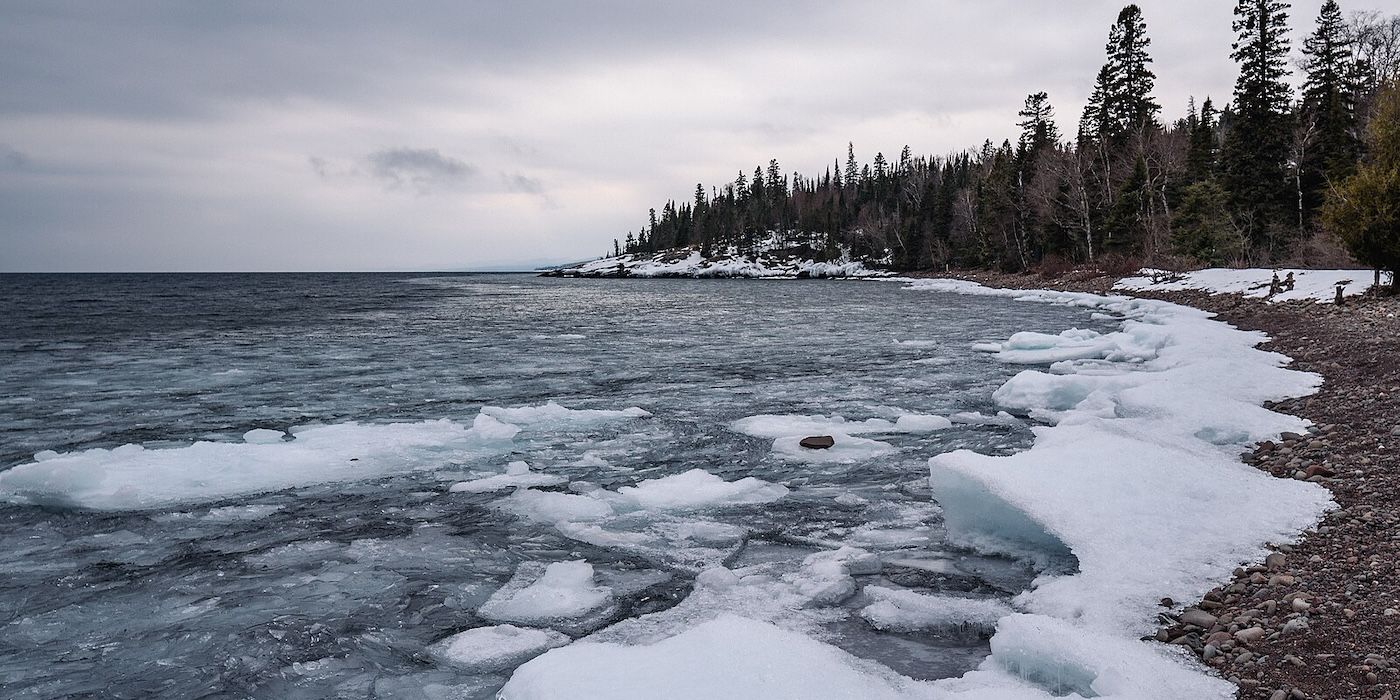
334	589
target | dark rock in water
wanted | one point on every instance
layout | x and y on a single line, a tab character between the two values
818	442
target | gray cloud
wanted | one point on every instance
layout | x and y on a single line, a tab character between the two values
12	159
181	130
421	169
517	182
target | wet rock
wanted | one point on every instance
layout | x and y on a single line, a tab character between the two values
1199	618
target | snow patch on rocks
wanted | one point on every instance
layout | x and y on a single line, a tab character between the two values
1308	285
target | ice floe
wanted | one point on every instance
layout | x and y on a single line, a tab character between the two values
727	657
787	432
554	416
517	474
696	489
901	610
133	477
494	648
562	595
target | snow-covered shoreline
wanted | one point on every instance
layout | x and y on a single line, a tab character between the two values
1136	474
769	261
1308	285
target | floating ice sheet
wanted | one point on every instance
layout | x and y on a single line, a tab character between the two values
494	648
728	657
133	477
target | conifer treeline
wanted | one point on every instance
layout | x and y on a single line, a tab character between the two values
1242	184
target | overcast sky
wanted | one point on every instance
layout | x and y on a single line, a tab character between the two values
461	135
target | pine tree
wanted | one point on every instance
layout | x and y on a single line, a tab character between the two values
1130	104
1037	124
1364	210
1257	145
1097	120
1201	226
1328	111
1201	147
1125	230
851	172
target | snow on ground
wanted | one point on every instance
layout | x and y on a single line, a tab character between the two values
774	256
494	648
1313	285
1137	476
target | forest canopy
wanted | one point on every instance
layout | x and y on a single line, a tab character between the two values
1244	183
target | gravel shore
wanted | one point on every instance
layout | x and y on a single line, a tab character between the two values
1319	618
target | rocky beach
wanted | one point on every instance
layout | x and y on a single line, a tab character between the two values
1319	617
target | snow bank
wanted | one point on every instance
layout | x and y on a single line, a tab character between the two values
517	474
729	657
494	648
1137	478
774	256
1309	285
133	477
562	594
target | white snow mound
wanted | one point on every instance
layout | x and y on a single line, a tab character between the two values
1137	478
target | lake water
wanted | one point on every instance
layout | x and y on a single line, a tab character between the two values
198	583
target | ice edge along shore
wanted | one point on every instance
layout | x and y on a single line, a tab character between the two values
1136	474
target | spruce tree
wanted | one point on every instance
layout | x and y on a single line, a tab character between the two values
1328	110
1125	229
1130	104
851	173
1201	146
1364	210
1097	120
1255	157
1037	124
